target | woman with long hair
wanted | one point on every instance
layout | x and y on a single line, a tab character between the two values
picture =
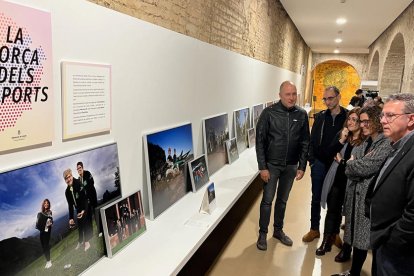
334	186
361	168
44	225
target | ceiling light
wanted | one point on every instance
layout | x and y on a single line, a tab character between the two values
341	21
336	51
338	40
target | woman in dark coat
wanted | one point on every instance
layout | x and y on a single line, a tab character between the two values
44	223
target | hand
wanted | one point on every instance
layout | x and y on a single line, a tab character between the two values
351	158
299	174
338	157
265	175
71	223
80	215
344	135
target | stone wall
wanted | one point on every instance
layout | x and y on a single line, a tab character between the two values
260	29
392	55
358	61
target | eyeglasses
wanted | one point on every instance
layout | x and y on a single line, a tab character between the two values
390	117
365	122
329	98
68	176
355	120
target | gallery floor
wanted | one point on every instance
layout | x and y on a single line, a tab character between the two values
241	257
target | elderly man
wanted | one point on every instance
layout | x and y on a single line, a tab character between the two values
76	199
390	198
282	142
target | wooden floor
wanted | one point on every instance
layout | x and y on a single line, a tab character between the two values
241	257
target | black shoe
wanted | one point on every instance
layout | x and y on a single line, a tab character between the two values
281	236
345	254
346	273
326	245
261	242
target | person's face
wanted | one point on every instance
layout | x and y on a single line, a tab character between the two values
69	179
288	95
46	204
394	120
80	170
353	122
366	125
331	99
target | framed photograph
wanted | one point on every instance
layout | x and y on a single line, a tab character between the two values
166	155
232	151
123	221
215	132
241	125
252	137
198	172
47	222
209	200
256	110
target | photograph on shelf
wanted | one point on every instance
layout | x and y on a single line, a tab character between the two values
269	103
86	99
198	172
241	125
123	221
166	155
209	200
47	222
252	137
232	151
256	111
216	131
27	98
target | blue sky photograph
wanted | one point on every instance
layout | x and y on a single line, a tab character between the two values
179	138
23	190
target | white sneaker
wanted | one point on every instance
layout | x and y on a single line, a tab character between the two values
87	245
48	264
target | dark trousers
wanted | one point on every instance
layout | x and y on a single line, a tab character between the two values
281	178
389	263
44	241
358	258
85	227
318	173
334	213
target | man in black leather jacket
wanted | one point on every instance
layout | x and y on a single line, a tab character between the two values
282	142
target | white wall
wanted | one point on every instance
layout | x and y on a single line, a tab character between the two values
159	78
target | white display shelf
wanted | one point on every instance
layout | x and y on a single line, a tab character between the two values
174	236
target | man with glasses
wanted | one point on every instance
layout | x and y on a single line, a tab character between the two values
390	197
326	125
76	199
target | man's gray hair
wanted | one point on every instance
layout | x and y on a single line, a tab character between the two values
406	98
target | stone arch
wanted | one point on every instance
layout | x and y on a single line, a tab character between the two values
334	72
374	67
392	74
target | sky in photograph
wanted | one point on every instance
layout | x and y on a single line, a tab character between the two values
23	190
219	123
179	138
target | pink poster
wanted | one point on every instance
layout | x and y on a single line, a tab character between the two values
26	78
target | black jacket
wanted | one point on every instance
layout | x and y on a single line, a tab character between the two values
89	185
77	199
282	136
391	204
323	132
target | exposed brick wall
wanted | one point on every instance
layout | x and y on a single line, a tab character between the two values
396	55
260	29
